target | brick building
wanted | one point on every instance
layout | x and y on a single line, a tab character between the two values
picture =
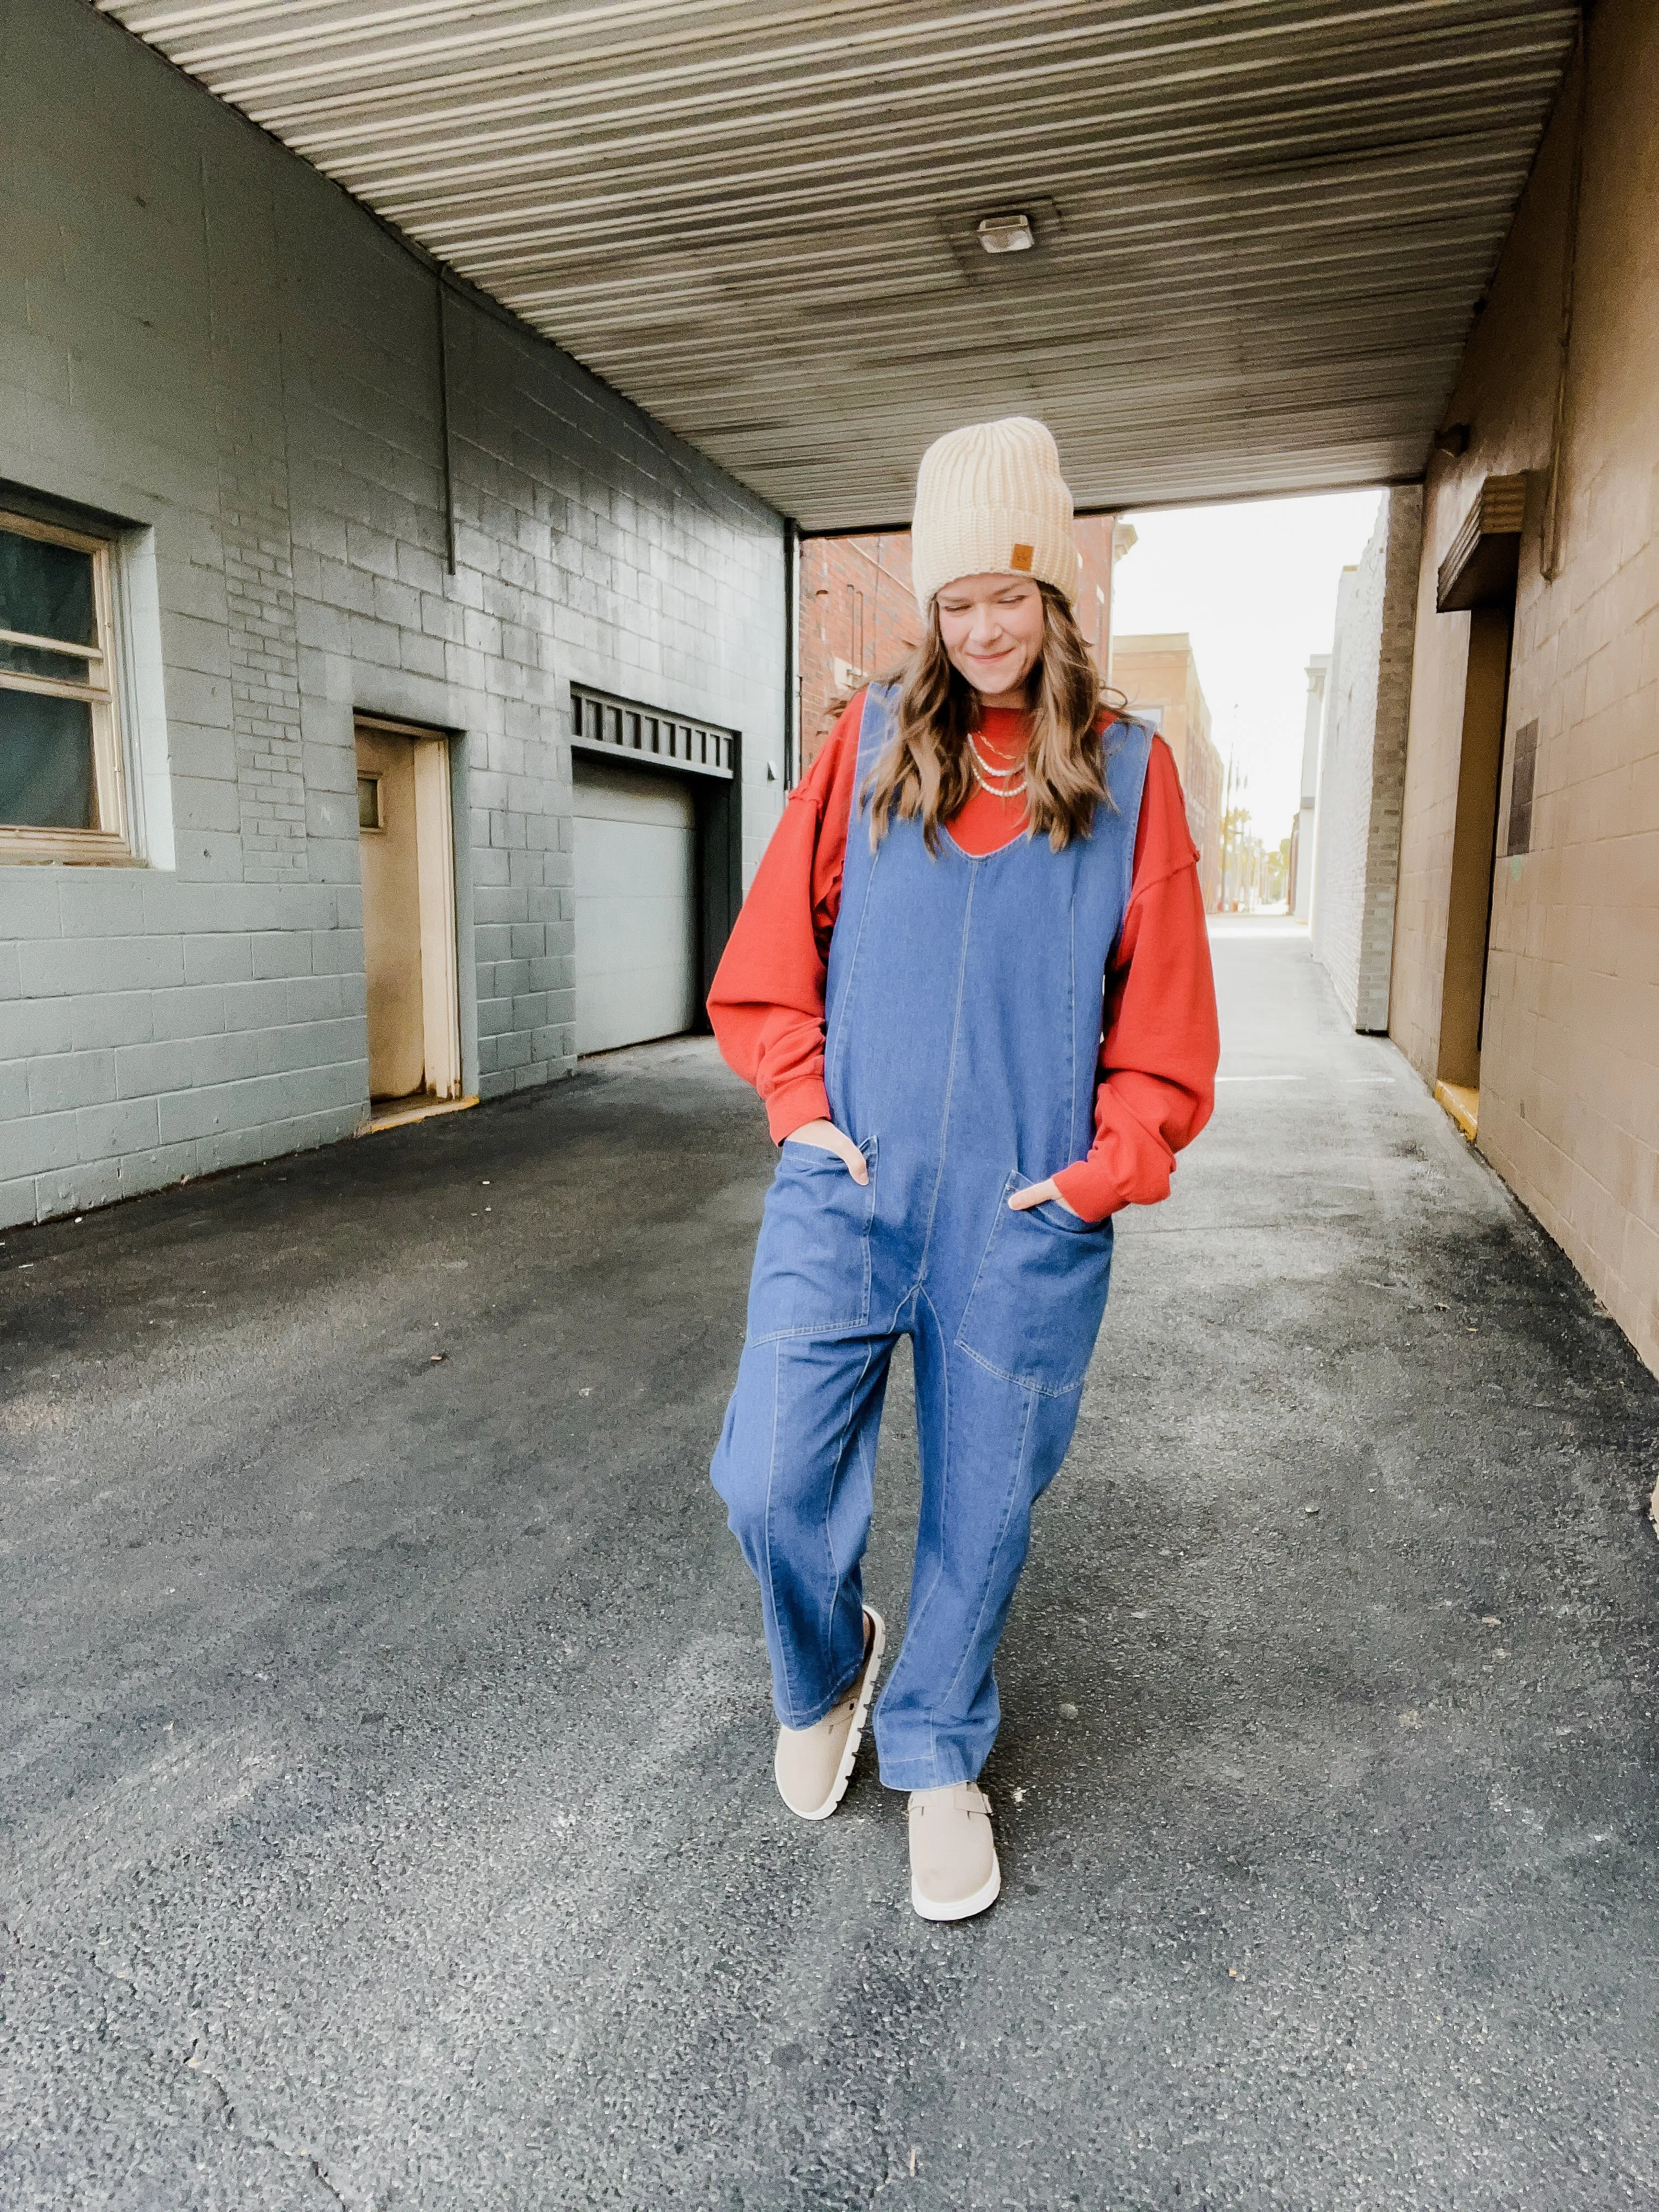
1525	978
333	587
858	621
1299	890
1158	674
1362	764
859	618
1488	794
1103	540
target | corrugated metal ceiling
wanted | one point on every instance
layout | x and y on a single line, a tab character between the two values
1263	225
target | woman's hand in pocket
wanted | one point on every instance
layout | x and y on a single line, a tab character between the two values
1039	1193
829	1139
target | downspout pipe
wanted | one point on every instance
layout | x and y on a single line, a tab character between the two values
1554	497
791	648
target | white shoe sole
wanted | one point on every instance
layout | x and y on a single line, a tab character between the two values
855	1734
962	1908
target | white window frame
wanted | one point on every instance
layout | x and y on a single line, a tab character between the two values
111	841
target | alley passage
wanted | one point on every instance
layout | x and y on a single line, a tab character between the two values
387	1806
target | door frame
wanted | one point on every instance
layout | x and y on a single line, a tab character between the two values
434	865
1474	847
1478	577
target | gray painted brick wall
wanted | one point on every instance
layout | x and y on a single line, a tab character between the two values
1363	764
200	336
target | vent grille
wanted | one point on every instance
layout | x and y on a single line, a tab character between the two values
1521	774
624	729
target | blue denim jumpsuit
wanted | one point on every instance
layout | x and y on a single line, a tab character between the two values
963	1031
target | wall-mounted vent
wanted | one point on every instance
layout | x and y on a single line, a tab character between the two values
623	729
1480	569
1522	769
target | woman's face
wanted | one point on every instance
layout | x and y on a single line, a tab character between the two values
991	630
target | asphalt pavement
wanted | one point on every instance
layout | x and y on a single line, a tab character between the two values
387	1817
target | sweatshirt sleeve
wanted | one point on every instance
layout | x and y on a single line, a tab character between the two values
1162	1039
766	1007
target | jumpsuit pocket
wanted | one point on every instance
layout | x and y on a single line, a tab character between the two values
812	1261
1039	1297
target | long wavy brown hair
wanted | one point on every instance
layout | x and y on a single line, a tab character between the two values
926	769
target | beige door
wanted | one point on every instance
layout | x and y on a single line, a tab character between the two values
405	842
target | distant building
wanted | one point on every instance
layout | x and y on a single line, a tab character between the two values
1362	764
1103	540
1159	675
859	618
1298	893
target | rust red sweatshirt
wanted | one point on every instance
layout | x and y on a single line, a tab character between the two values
1160	1041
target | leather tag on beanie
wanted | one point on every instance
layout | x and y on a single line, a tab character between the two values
1021	559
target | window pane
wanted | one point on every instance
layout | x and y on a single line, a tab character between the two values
46	762
46	590
62	667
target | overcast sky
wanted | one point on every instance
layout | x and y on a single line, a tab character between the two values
1255	586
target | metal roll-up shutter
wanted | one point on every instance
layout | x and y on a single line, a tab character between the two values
636	905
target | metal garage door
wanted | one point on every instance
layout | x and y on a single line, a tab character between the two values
636	919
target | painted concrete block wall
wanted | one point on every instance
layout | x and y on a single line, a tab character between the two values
1569	1061
1362	764
201	337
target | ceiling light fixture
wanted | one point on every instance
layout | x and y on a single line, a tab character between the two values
1007	233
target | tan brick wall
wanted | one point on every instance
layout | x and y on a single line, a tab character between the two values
1569	1064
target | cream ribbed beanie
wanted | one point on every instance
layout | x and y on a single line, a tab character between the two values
991	501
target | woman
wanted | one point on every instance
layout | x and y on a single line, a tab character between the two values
972	985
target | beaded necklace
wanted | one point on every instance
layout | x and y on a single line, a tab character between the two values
1004	783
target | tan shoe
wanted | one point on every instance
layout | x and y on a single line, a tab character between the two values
953	1855
815	1764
